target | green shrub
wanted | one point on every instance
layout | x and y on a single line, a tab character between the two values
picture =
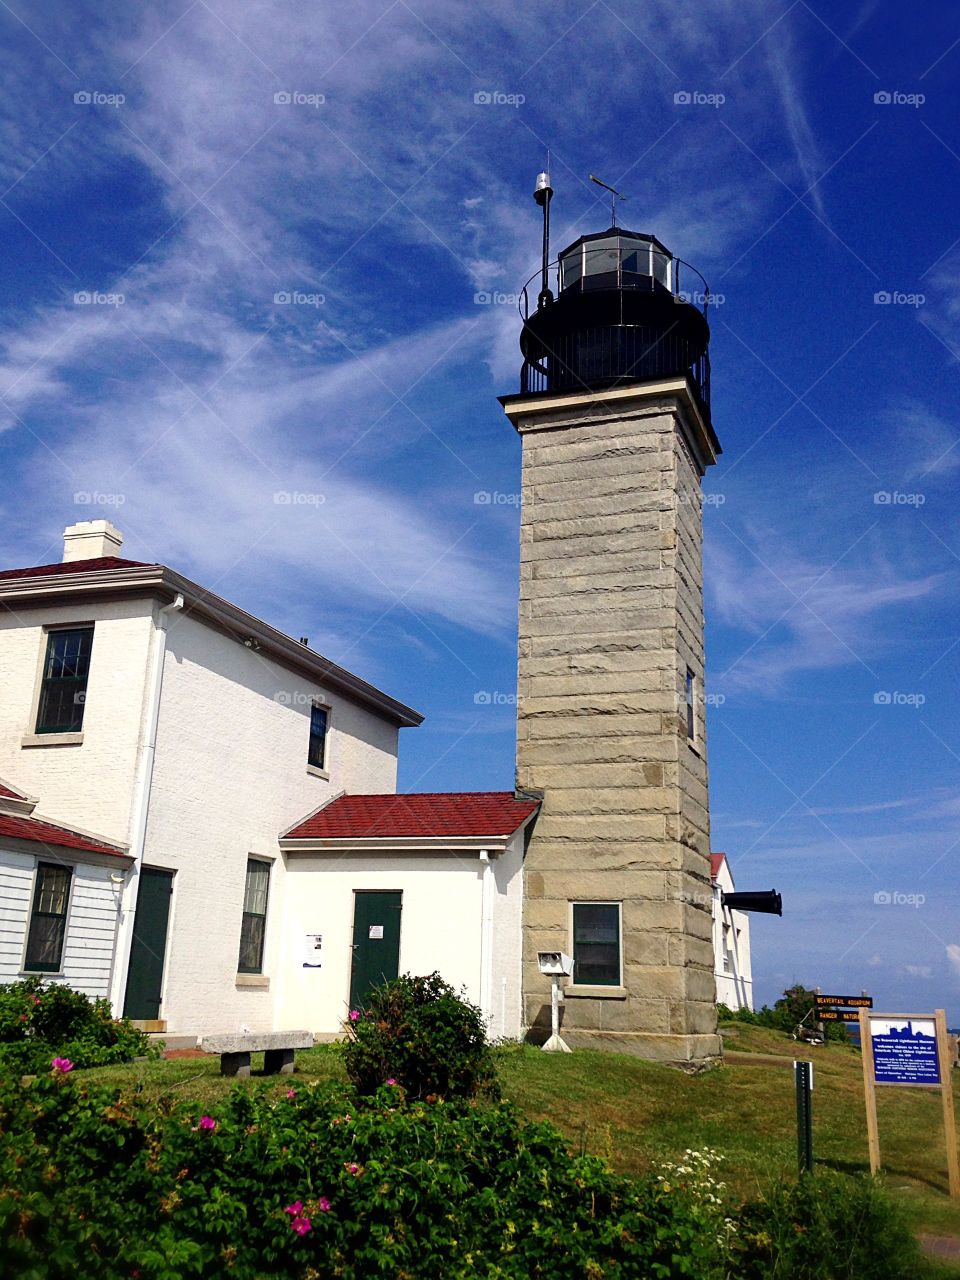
39	1022
300	1182
826	1227
421	1034
296	1182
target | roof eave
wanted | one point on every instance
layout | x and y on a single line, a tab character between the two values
161	580
396	844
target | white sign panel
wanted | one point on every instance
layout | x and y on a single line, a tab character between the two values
313	944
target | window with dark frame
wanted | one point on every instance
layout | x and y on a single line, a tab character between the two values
63	687
317	751
48	919
691	698
596	944
253	927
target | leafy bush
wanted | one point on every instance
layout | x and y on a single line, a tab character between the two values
40	1022
420	1033
796	1005
826	1227
298	1183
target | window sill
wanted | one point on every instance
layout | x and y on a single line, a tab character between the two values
258	980
595	993
51	740
318	773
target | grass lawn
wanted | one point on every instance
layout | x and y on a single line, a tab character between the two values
638	1113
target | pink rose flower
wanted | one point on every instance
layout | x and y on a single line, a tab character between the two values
352	1168
354	1015
391	1081
62	1065
301	1225
323	1204
291	1093
207	1122
295	1209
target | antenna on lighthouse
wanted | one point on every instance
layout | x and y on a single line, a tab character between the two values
543	194
615	195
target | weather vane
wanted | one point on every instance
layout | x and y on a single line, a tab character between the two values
615	195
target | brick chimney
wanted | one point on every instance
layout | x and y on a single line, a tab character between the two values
91	539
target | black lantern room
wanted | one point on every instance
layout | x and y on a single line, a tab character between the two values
625	310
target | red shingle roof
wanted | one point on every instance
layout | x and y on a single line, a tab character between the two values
19	828
428	814
73	566
10	794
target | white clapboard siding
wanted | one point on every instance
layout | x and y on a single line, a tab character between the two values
91	923
91	931
16	883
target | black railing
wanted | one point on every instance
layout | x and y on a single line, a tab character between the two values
665	274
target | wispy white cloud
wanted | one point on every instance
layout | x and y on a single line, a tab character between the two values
799	615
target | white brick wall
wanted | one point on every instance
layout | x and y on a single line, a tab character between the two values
88	785
230	774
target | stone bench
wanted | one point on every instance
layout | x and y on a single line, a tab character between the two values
276	1046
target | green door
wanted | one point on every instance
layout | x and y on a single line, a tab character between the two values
145	974
376	942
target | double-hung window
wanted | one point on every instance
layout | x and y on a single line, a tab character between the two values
596	944
253	928
63	685
48	919
319	723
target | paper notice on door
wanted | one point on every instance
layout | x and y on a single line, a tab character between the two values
376	931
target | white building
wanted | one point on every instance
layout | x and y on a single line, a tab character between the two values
731	941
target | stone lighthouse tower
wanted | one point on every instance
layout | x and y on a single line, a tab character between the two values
614	420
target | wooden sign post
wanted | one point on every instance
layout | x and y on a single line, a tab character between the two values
910	1050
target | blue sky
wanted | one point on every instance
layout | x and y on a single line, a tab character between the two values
812	174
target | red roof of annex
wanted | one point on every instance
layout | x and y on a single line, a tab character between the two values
21	827
427	814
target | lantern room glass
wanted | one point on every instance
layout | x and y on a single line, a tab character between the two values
616	262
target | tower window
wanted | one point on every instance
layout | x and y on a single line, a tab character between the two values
319	723
596	944
63	688
48	919
254	923
691	691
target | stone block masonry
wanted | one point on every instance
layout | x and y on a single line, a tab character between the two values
611	619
